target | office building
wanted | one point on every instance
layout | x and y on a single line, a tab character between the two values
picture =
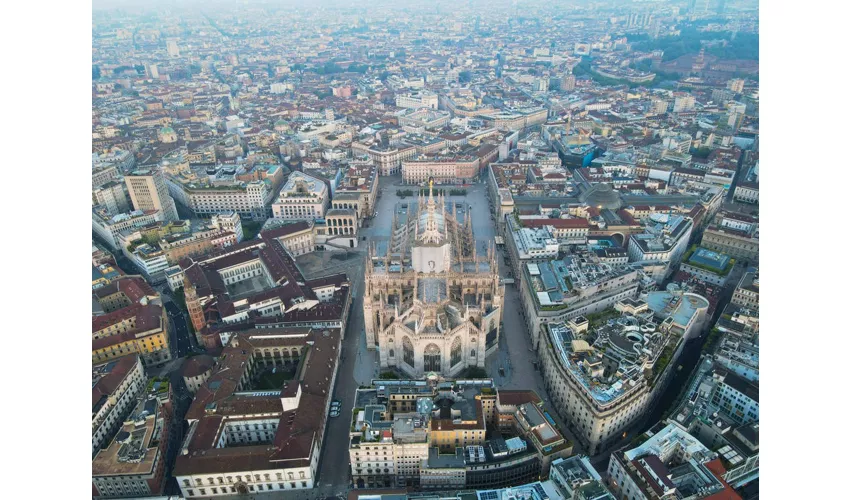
643	341
112	197
303	197
664	242
149	191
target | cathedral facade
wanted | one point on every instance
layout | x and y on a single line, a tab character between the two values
432	305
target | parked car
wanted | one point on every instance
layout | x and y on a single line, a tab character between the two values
334	413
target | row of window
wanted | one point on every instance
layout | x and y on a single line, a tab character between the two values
247	478
232	489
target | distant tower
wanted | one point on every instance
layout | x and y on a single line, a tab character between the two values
172	48
193	304
721	7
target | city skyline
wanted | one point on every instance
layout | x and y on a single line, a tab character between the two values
493	247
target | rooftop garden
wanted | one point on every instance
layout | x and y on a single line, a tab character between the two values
553	307
157	385
354	414
722	272
663	360
600	318
711	341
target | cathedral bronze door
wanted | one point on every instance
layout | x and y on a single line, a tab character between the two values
432	359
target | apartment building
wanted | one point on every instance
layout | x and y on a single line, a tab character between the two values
102	174
115	386
669	463
134	463
131	321
112	197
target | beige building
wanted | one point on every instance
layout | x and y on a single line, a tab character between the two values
736	235
444	170
387	158
114	390
601	406
298	238
248	199
358	190
196	370
416	100
149	191
112	197
302	198
747	292
339	228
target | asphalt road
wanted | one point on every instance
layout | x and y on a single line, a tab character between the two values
180	338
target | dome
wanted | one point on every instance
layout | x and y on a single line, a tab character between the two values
166	130
601	195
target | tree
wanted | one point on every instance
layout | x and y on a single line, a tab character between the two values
95	72
464	77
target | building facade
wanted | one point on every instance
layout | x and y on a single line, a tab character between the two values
302	198
149	191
